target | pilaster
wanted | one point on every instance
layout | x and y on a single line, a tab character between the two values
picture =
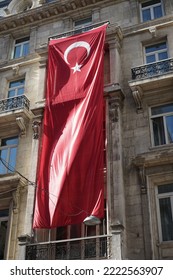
116	201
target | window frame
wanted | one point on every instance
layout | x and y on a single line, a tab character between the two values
6	219
158	213
164	115
156	53
23	40
7	159
82	25
17	87
151	10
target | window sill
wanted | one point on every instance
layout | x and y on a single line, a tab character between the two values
161	147
166	244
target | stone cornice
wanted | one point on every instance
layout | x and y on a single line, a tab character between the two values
48	12
155	157
148	26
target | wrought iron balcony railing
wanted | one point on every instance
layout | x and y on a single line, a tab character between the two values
96	247
152	69
14	103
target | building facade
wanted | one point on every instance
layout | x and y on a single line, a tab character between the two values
138	84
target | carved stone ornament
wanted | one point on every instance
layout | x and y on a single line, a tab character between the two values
115	97
113	110
142	178
36	129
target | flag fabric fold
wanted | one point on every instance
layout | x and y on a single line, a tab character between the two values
70	183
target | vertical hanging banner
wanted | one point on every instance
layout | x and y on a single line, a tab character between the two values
70	185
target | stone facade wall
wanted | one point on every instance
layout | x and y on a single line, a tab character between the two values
134	167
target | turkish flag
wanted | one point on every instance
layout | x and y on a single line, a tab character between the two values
70	183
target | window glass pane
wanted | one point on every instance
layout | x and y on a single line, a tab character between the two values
166	219
163	55
20	91
17	51
165	188
161	46
12	159
169	125
3	162
146	15
17	83
168	108
157	12
158	131
25	49
154	48
150	58
3	232
11	93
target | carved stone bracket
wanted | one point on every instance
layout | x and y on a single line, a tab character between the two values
115	100
21	124
137	95
15	70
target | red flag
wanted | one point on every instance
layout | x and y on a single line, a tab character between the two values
70	176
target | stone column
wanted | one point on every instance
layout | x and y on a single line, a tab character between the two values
114	42
115	184
27	231
145	213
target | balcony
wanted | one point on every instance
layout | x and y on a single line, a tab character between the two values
14	114
14	103
86	248
153	69
151	79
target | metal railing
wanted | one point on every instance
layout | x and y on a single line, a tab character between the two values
152	69
14	103
96	247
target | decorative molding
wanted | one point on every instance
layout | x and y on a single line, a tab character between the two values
42	11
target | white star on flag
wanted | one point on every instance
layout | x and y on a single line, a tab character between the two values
76	68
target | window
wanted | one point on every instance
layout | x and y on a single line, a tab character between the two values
151	10
82	23
162	124
21	47
8	154
3	232
16	88
156	52
165	211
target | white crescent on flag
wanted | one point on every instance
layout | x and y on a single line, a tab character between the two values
73	46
